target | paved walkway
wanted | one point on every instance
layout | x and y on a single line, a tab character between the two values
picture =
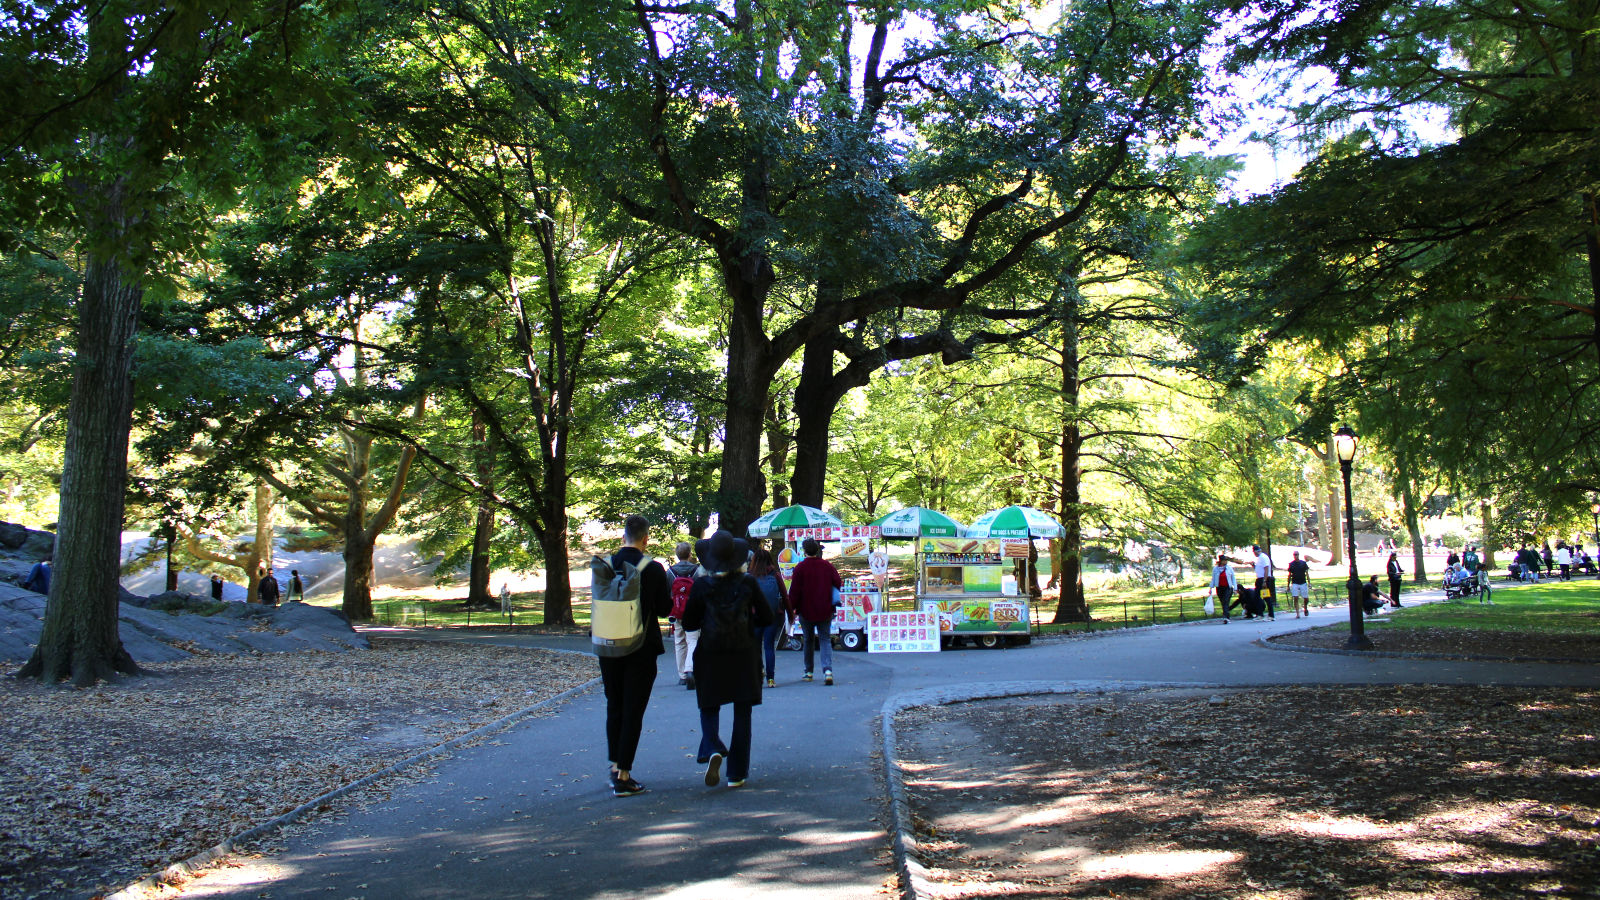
530	814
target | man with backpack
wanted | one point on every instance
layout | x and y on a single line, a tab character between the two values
629	677
728	609
683	640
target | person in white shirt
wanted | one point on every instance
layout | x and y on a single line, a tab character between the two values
1263	572
1223	584
1564	560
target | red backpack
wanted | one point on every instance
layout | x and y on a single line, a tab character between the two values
681	586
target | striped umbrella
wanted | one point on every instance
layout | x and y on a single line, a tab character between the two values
797	516
1015	522
918	521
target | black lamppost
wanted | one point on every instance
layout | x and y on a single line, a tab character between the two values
1344	443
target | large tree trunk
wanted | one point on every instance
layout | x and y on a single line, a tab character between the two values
743	486
478	592
261	551
1332	482
1408	507
1073	605
1488	543
358	545
815	399
558	577
79	639
778	444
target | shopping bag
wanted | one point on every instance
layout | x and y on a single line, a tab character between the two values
1211	605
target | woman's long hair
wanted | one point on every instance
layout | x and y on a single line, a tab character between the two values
761	563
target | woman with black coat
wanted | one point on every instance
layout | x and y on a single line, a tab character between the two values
728	608
1394	579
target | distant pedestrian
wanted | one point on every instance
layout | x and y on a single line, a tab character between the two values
1224	583
297	588
682	573
628	679
1470	559
1264	586
766	574
1394	579
268	590
1300	585
38	579
216	587
1452	558
728	609
1564	561
1549	559
811	590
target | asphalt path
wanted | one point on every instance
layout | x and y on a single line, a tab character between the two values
529	814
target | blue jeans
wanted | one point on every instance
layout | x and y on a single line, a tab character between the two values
738	753
769	645
817	633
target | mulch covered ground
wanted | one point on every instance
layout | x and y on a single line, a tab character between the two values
100	787
1292	792
1452	642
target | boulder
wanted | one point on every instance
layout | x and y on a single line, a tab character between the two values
12	535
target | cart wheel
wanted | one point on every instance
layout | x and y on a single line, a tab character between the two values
852	640
795	642
989	641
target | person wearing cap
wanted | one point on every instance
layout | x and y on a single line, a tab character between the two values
727	665
811	590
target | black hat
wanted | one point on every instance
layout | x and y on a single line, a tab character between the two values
722	552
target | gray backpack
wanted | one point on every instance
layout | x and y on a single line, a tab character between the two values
616	621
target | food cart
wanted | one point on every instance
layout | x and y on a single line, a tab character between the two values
965	583
858	598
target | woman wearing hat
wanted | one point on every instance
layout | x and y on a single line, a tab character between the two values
727	607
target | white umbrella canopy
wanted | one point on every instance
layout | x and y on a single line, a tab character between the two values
917	521
796	516
1015	522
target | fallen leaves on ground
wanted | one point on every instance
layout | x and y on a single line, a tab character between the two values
1283	792
99	787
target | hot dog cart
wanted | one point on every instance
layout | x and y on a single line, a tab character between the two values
966	583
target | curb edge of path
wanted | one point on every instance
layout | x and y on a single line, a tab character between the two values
913	874
1402	654
193	865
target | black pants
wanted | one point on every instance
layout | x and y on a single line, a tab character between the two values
1225	595
1268	597
1566	572
628	681
1394	590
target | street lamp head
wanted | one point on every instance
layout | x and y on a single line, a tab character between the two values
1344	443
1266	512
1595	508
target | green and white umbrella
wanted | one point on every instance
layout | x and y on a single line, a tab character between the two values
918	521
1015	522
797	516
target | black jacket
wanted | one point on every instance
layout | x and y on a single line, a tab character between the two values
727	676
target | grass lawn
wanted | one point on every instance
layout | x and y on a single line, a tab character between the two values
1571	607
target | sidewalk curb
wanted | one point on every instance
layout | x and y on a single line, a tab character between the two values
193	865
914	881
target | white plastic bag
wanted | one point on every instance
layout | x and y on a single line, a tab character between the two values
1211	605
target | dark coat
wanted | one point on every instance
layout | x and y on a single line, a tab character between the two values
811	589
727	676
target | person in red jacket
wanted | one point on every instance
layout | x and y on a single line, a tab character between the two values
811	595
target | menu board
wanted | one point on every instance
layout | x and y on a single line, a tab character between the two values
903	632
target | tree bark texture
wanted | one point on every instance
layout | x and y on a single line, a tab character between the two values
1332	481
79	640
1073	605
779	443
1488	543
478	589
1408	508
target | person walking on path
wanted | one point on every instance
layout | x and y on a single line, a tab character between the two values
1394	579
811	590
38	579
1224	583
1300	585
1263	566
628	679
1549	560
728	609
683	640
765	571
268	591
1564	560
216	587
297	588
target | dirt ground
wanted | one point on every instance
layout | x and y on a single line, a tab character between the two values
1453	642
102	786
1299	792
